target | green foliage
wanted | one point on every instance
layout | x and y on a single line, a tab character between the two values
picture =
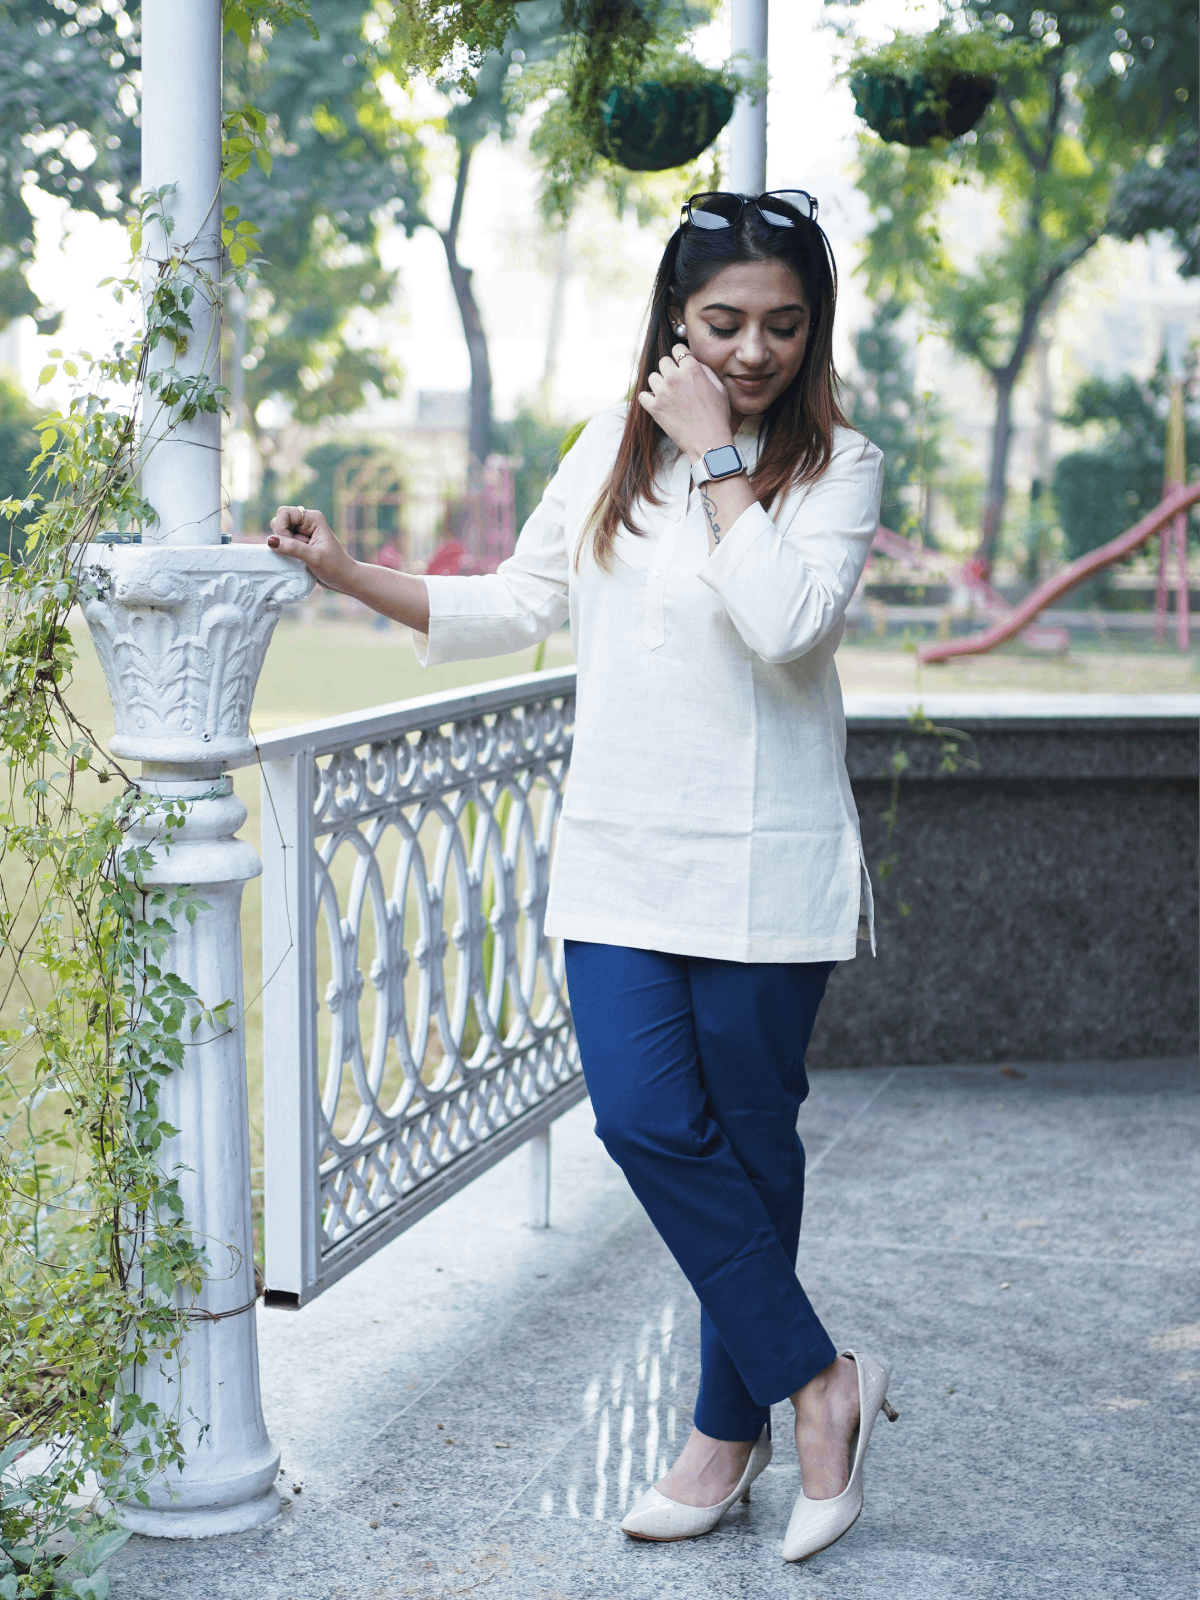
323	170
572	142
18	441
447	42
247	18
537	445
945	51
97	1262
1162	194
67	102
1103	490
1065	127
885	404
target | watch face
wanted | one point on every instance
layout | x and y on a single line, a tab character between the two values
723	462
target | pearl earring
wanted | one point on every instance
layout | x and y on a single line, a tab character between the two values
681	330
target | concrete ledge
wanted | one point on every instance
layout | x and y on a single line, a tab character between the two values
1038	896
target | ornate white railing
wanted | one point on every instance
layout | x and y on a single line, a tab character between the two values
416	1027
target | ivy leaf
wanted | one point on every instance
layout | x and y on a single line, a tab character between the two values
92	1587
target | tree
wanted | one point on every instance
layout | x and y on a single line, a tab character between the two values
342	169
534	34
1103	490
571	51
886	406
67	108
1094	101
68	123
339	166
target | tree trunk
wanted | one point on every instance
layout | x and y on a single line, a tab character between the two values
479	435
997	492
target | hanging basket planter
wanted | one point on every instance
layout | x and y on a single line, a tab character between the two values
916	111
651	127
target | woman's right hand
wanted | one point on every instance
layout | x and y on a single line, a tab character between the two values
305	534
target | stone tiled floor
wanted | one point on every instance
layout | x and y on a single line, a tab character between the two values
471	1410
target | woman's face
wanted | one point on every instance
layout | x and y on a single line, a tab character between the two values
750	324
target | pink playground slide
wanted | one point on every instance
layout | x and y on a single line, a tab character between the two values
965	575
1170	516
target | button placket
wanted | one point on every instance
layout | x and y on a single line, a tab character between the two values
674	514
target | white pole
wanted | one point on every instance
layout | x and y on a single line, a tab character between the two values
181	630
181	145
748	126
539	1179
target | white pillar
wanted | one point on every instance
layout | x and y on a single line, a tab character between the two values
181	145
539	1179
181	626
181	633
748	125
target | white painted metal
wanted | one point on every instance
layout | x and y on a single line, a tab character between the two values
539	1179
426	829
181	634
181	145
291	1141
748	125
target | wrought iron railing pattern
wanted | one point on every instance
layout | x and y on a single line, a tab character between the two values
406	860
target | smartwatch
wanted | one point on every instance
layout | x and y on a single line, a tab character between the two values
723	462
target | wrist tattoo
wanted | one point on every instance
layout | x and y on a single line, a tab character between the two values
710	511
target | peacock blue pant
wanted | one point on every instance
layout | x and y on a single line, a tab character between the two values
695	1069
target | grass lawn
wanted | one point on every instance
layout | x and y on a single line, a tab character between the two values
322	666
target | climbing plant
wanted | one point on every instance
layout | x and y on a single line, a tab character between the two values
96	1259
97	1262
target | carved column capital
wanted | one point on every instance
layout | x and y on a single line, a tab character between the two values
181	632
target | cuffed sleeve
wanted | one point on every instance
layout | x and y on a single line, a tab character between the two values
516	606
786	583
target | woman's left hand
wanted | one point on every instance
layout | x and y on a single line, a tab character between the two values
689	403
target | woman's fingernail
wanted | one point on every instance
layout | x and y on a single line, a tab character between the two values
273	541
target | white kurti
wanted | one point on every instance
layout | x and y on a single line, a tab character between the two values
708	811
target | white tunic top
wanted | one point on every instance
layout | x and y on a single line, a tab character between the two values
708	811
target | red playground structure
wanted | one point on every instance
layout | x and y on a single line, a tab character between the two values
1169	518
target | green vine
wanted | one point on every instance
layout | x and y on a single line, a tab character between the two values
950	759
98	1265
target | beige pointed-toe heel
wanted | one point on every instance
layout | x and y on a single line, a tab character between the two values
816	1524
653	1516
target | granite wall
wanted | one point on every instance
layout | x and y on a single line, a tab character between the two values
1042	900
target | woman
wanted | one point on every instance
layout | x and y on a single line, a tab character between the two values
704	543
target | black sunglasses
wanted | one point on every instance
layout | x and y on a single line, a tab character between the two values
781	208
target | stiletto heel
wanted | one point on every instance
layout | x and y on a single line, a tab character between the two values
816	1524
653	1516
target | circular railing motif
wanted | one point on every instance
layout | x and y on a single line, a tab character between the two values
444	1017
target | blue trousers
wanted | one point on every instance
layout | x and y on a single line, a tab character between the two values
695	1069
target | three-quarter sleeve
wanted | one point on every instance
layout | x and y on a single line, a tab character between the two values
786	583
516	606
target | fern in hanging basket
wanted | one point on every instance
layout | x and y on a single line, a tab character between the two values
650	127
926	86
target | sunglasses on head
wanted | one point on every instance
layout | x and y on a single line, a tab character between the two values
781	208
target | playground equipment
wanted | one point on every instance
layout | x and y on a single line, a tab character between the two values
1174	536
1170	513
968	576
480	525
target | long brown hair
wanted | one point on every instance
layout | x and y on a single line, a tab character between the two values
796	433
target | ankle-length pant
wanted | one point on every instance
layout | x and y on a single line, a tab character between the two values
695	1069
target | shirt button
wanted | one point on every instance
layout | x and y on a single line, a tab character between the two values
654	572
